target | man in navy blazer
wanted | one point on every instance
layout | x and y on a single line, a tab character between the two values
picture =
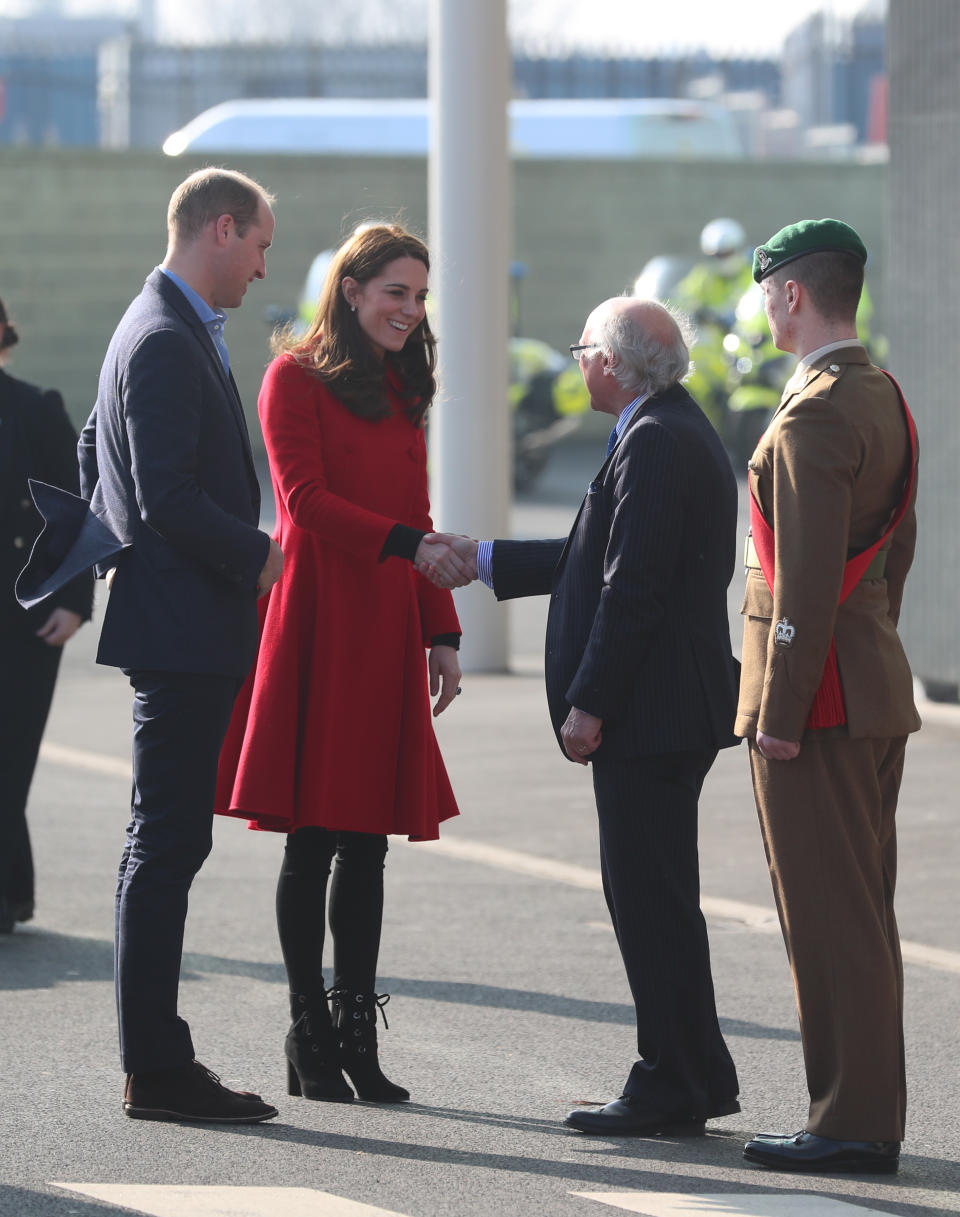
641	682
165	462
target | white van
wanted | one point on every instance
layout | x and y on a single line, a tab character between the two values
603	128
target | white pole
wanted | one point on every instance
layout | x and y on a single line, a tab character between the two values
470	244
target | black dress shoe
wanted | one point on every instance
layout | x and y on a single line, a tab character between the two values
805	1151
631	1116
191	1093
23	911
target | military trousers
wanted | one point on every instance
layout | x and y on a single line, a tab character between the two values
828	823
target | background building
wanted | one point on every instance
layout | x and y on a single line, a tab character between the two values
112	82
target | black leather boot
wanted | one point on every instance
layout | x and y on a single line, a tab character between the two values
355	1020
313	1067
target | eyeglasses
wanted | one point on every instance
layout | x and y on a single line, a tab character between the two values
579	347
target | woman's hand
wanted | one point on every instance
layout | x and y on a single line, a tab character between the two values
446	560
445	676
60	627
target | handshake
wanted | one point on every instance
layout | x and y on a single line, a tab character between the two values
447	560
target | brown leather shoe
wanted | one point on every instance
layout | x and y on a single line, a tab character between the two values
190	1093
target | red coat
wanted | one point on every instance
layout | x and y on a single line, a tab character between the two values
333	725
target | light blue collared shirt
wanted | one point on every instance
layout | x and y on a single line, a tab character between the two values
213	319
485	548
627	413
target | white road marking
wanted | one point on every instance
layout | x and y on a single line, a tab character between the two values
726	1204
78	758
757	917
159	1200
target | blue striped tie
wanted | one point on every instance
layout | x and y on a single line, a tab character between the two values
612	441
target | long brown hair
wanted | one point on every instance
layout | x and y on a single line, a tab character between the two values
336	349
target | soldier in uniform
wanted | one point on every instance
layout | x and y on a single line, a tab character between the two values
826	694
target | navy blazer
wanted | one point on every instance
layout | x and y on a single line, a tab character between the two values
37	440
165	461
637	631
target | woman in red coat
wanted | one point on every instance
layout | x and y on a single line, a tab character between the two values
331	741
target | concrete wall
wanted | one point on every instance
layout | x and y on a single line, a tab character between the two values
924	313
82	228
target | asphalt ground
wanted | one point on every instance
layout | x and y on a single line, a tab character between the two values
508	1005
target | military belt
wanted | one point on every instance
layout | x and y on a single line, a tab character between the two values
875	570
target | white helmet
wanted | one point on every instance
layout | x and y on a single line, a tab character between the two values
721	238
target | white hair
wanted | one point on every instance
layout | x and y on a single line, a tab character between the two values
642	363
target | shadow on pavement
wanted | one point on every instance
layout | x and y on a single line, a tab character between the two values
22	1201
717	1150
38	959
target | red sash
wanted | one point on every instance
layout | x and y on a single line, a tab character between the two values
828	709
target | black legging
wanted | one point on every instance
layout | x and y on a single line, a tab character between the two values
356	907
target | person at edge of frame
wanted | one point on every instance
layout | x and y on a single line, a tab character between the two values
37	440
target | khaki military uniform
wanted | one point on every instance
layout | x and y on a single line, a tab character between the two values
828	475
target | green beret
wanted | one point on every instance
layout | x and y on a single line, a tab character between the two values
806	237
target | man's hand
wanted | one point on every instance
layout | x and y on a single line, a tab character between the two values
777	749
60	627
444	677
582	734
272	570
447	560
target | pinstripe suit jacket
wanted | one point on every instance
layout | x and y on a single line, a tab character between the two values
637	631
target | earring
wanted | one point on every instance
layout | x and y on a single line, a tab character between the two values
353	308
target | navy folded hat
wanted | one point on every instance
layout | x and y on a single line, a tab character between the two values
73	539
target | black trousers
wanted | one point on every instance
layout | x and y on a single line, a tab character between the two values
28	674
180	720
647	808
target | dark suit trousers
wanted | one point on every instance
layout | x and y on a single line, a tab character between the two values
647	808
180	720
29	674
829	828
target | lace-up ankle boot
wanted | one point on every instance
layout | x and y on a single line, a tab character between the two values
355	1020
313	1066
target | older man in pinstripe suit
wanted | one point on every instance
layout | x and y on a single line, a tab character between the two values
641	683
